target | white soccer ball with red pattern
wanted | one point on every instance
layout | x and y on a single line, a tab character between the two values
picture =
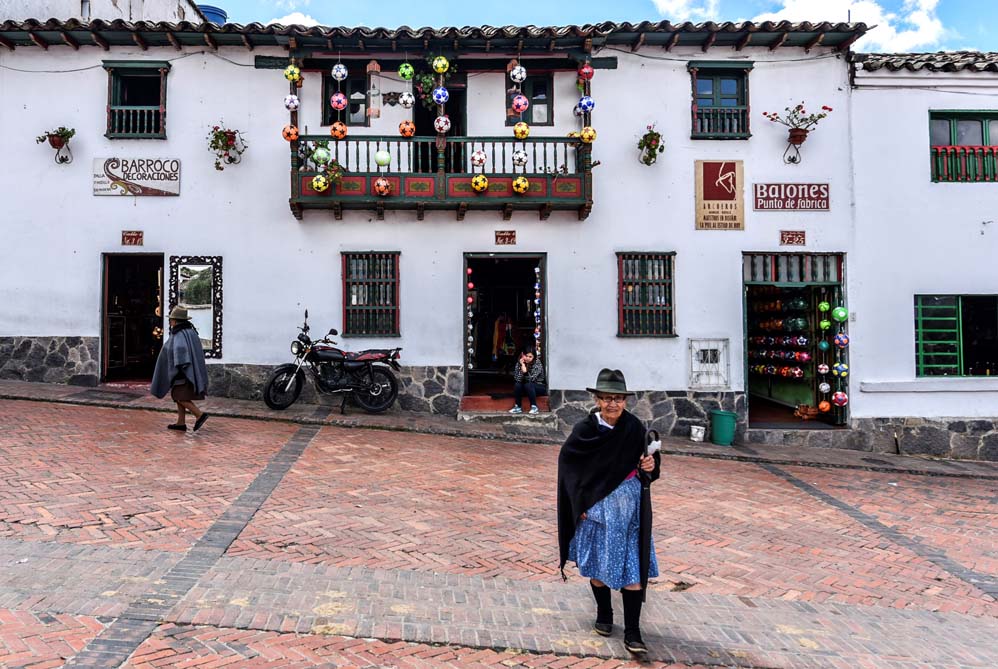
442	124
478	158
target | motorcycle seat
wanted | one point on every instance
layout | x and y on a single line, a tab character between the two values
369	354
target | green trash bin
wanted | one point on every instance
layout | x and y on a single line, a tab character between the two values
722	427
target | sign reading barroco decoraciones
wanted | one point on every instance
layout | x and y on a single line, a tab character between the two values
790	197
720	195
136	176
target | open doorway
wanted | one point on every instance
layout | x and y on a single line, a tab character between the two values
455	159
132	316
506	307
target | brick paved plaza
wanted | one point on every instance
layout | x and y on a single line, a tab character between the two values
269	544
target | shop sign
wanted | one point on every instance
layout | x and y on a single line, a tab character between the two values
793	238
720	195
505	237
131	237
136	176
790	197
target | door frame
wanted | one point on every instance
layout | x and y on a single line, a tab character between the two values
541	257
105	259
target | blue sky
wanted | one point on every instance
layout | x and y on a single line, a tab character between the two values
903	25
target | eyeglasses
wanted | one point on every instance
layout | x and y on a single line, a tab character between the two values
612	399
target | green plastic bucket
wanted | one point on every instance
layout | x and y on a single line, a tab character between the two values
722	427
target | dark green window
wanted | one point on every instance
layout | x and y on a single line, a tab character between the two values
136	106
720	100
644	295
540	91
956	335
964	145
355	88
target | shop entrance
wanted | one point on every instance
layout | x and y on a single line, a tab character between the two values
504	300
132	316
796	341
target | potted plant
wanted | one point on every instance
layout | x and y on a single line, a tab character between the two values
56	138
227	144
798	121
650	145
425	81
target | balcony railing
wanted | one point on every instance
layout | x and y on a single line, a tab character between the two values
964	163
427	173
136	122
721	122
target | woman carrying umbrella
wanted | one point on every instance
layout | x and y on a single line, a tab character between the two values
604	506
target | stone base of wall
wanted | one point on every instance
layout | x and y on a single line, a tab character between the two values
431	389
72	360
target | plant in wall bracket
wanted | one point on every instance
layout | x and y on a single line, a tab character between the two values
227	144
58	139
800	124
650	145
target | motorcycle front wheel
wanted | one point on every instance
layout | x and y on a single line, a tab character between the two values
274	394
379	393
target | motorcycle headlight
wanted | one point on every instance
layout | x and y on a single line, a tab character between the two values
296	348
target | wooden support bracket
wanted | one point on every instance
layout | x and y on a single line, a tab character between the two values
420	211
68	39
338	211
38	40
545	211
100	41
380	210
507	211
296	210
462	209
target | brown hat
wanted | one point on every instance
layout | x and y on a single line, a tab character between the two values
611	381
179	313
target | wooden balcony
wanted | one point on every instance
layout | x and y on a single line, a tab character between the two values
135	122
721	123
427	173
964	163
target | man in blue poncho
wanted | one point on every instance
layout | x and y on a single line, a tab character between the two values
180	370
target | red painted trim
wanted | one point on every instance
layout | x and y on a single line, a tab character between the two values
398	305
620	294
343	271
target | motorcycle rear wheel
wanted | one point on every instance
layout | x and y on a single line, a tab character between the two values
274	395
380	393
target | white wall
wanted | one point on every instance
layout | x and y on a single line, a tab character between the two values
108	10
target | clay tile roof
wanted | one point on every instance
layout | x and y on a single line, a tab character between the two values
941	61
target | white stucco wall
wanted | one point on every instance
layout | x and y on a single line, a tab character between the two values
108	10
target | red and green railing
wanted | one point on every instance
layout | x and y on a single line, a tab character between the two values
964	163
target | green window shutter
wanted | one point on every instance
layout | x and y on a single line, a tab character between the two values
938	349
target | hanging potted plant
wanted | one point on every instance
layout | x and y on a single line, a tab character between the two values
227	144
650	145
799	122
56	138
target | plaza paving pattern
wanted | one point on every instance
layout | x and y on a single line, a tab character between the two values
266	544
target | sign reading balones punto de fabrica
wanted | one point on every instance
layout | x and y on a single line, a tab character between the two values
136	176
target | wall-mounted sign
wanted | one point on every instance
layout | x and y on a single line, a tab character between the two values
136	176
720	193
790	197
131	238
505	237
793	238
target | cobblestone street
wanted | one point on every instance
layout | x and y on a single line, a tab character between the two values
269	544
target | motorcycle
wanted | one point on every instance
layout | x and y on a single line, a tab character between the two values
365	374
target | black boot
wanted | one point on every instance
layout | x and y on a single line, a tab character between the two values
632	621
604	610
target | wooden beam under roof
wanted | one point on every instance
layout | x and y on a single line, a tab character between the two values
99	41
38	40
743	42
777	43
7	43
246	42
816	41
210	41
847	43
172	39
709	42
639	42
68	39
137	38
672	41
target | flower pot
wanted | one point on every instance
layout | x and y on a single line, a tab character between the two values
57	142
797	136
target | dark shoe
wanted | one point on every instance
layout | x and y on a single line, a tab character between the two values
636	645
632	621
603	629
200	421
179	428
604	610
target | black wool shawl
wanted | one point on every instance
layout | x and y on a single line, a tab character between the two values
591	465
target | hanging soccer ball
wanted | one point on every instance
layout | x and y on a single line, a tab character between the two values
440	95
840	314
338	101
339	72
520	103
407	128
518	74
319	183
586	71
840	399
338	130
823	345
478	158
382	187
824	306
840	370
586	104
797	373
291	102
824	407
321	155
841	340
382	158
803	356
823	387
440	65
406	70
800	341
480	183
290	133
521	130
519	157
521	185
577	111
292	73
588	135
825	324
822	368
442	124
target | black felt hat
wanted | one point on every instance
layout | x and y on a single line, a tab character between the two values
611	381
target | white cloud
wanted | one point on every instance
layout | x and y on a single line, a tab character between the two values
687	10
291	5
295	18
915	26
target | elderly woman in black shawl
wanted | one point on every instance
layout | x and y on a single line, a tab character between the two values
180	370
604	508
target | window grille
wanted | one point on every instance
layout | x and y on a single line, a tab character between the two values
710	365
371	293
645	295
812	268
963	146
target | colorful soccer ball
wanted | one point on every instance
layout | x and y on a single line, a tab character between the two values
407	128
406	70
478	158
290	133
442	124
382	158
825	324
577	111
518	74
840	399
586	103
291	102
339	72
338	101
588	135
823	345
321	155
822	368
382	187
520	103
519	157
841	370
802	356
824	407
521	130
440	95
841	340
338	130
521	185
319	183
292	73
824	306
586	71
440	64
840	314
480	183
800	341
407	100
797	373
823	387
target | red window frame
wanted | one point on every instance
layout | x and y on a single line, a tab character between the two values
645	294
370	293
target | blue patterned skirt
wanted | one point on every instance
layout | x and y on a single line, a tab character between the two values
606	544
